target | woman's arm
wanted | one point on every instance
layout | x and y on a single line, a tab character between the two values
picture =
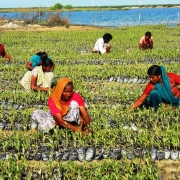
58	118
139	101
8	57
151	44
29	65
35	87
108	48
85	117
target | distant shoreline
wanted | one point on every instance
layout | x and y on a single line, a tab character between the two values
88	8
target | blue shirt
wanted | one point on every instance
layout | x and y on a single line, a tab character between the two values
36	60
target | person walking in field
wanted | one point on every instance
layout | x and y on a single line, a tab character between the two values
40	78
162	88
36	60
4	54
67	109
146	42
102	45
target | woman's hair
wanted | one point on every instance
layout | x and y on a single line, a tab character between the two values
43	55
148	34
154	70
107	36
68	84
47	62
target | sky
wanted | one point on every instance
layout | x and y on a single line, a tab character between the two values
49	3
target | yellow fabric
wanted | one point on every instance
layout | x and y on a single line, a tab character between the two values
56	95
40	77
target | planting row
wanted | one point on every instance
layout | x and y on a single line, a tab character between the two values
85	72
44	153
114	127
106	170
104	61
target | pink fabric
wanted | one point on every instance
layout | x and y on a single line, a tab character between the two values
174	82
76	97
143	41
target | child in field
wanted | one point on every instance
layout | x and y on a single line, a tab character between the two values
36	60
146	42
102	45
3	53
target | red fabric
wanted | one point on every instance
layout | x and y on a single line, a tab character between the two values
2	50
174	82
76	97
144	42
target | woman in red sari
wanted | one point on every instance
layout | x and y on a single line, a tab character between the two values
67	109
3	53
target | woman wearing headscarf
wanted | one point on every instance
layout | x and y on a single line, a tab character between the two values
40	78
67	109
162	88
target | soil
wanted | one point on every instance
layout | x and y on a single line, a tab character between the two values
170	170
48	28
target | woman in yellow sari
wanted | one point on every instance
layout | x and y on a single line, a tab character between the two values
40	78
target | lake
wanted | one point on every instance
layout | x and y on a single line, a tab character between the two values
116	18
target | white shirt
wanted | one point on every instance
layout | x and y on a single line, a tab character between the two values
100	45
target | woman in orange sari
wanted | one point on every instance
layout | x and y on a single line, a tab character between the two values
67	108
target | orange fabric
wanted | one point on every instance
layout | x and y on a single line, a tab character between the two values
56	95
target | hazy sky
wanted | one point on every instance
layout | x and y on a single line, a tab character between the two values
48	3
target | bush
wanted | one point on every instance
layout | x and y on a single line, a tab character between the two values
57	6
57	19
31	18
68	6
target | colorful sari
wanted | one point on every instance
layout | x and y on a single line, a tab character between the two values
70	113
165	90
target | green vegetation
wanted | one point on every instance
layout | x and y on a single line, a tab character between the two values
57	6
107	100
68	7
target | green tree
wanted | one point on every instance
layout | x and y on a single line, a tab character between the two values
68	6
57	6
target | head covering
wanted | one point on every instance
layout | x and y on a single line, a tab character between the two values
56	95
165	89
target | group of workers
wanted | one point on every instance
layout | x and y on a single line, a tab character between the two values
67	107
102	45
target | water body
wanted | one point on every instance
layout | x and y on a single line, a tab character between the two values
116	18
